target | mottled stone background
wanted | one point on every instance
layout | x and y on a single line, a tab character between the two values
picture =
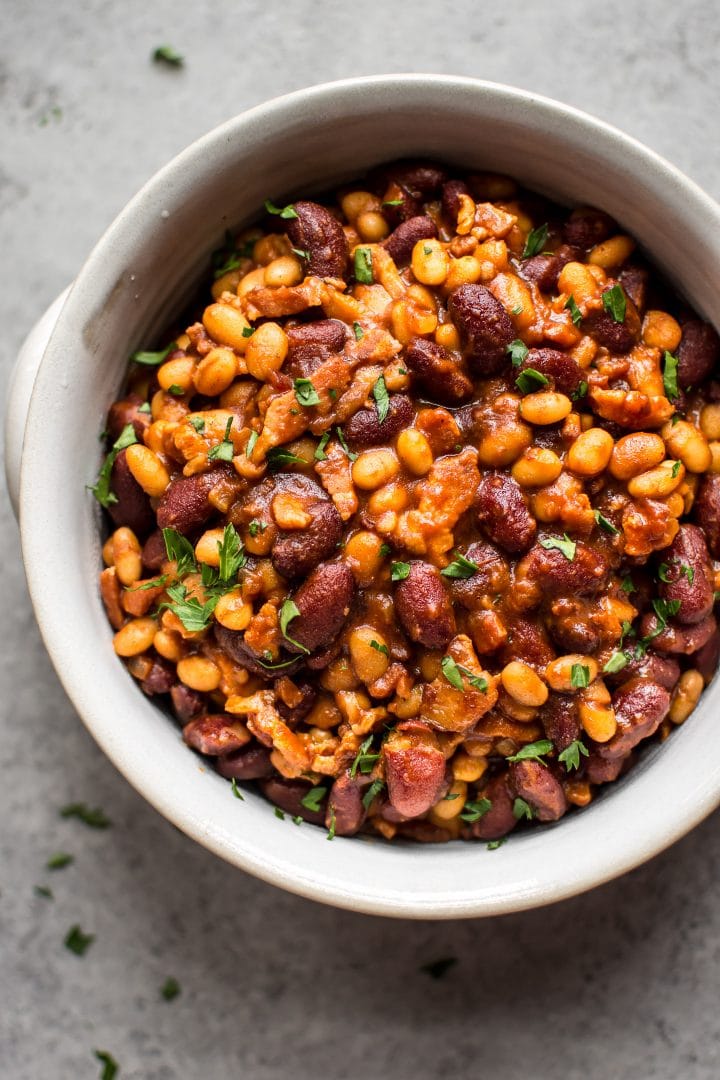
622	983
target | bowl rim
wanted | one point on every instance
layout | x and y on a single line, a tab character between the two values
658	832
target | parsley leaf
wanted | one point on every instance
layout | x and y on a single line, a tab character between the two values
59	861
236	790
460	567
165	54
301	253
604	523
399	571
518	350
522	809
379	648
454	672
533	751
180	551
194	615
320	454
305	393
675	471
288	612
312	799
473	811
382	399
229	257
250	444
363	266
664	572
536	240
670	376
109	1064
248	331
616	663
78	942
362	758
530	380
256	526
331	830
570	756
358	331
495	844
627	585
170	989
287	212
198	423
101	490
614	302
437	968
385	549
372	792
42	890
224	451
346	448
567	546
176	390
277	458
580	676
575	312
581	391
279	813
232	556
153	359
96	819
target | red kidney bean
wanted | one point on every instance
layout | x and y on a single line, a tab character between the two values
418	177
423	606
296	552
527	641
563	372
250	763
676	639
438	372
660	669
536	784
598	770
402	240
311	344
233	642
499	819
424	832
706	511
542	270
451	192
345	810
502	511
698	353
414	768
690	575
706	658
317	232
323	601
186	703
554	575
586	227
133	507
185	503
484	326
634	280
617	337
160	679
490	579
287	795
126	412
153	552
364	427
571	627
215	734
560	721
640	707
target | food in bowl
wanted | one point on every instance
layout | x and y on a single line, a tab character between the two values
415	526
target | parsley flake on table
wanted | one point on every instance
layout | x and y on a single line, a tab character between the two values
110	1066
170	989
96	818
42	890
78	942
59	861
165	54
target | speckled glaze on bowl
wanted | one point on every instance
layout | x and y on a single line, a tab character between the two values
137	278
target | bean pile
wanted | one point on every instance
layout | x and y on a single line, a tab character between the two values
415	526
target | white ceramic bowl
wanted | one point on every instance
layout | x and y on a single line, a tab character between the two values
138	276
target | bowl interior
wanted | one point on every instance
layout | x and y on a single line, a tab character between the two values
139	277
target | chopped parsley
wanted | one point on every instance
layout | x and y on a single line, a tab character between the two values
495	844
236	790
59	861
385	549
198	423
604	522
78	942
570	756
109	1065
277	458
372	793
382	399
194	615
165	54
614	302
533	751
393	202
530	380
536	240
399	571
473	811
248	331
180	551
575	312
232	556
96	818
522	809
346	448
331	830
616	663
229	257
287	212
224	451
250	444
305	393
460	567
567	546
363	265
518	350
175	390
153	359
670	376
675	471
42	890
364	760
379	648
256	526
580	676
627	585
170	989
288	612
454	672
581	391
279	813
358	331
101	490
320	454
311	800
301	253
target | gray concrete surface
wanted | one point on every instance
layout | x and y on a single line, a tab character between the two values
621	983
